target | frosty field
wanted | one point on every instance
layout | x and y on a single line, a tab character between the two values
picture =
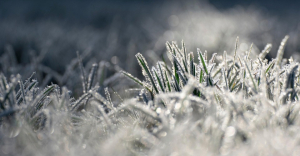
148	78
189	104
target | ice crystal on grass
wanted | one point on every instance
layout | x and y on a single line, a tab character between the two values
221	105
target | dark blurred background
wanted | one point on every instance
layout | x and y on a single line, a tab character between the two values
115	30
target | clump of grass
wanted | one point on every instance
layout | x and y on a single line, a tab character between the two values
187	106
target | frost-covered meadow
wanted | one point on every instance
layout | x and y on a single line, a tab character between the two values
183	80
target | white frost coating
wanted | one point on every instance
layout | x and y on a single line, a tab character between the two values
230	106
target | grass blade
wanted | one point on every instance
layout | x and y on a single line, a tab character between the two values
147	74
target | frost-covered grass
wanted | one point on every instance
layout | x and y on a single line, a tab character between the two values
188	104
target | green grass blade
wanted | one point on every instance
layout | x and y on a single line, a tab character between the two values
176	85
158	80
136	80
201	76
192	66
270	66
185	65
184	51
202	61
162	74
233	79
177	63
144	65
168	82
252	79
183	80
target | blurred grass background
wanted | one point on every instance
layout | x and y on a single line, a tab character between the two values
115	30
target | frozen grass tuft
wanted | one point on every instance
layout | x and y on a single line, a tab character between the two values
188	105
